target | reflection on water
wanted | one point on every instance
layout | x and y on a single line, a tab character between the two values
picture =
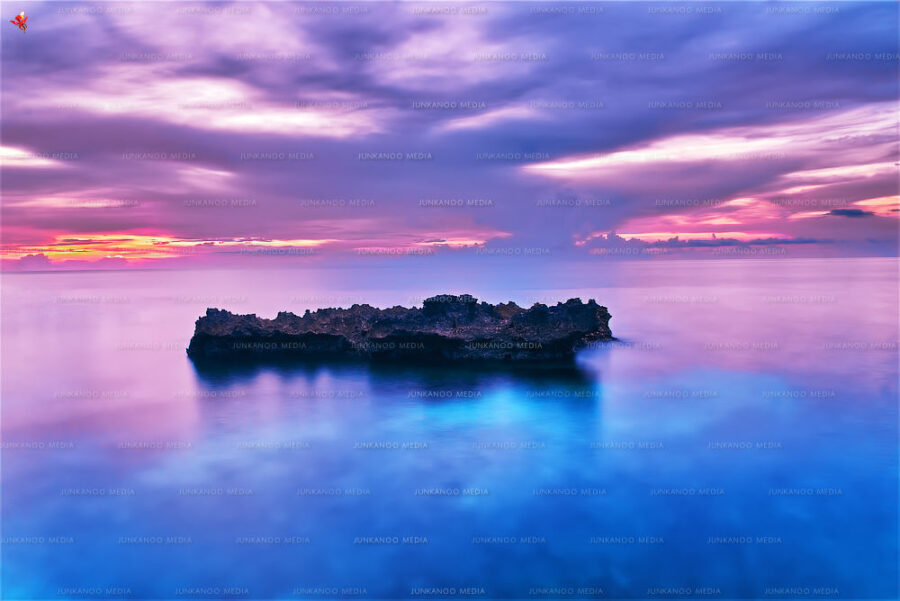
384	375
740	440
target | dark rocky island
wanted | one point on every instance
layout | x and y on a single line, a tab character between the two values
445	328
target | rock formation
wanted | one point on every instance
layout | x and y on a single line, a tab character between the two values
445	328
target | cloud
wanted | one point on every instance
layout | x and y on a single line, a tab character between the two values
851	213
18	157
613	240
189	125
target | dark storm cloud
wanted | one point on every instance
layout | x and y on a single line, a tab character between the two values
851	213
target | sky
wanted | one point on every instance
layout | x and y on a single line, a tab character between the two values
176	134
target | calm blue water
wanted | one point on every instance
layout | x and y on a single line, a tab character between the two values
739	441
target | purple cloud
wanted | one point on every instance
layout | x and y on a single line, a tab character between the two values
348	127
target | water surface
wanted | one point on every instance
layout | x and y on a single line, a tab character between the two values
740	440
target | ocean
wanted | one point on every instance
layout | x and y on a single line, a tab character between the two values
738	440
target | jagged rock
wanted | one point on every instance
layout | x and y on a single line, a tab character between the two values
446	328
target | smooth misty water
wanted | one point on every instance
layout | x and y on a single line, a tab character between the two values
740	441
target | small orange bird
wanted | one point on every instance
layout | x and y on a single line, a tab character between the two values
19	21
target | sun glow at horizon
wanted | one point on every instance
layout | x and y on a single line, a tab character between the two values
136	247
